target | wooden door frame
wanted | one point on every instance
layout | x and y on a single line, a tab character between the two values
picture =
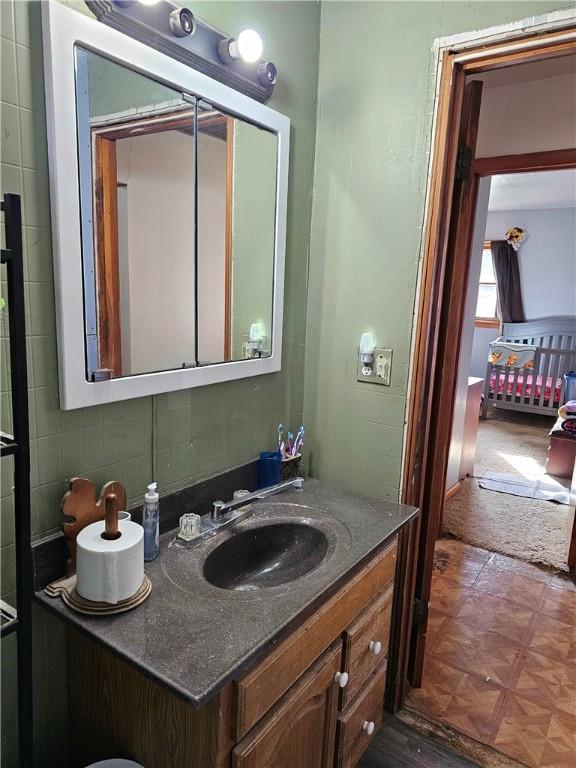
106	248
425	455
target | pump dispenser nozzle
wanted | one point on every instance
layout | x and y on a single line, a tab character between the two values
152	496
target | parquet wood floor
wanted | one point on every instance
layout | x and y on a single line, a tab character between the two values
500	661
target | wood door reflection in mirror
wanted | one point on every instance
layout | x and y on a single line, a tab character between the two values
148	265
145	243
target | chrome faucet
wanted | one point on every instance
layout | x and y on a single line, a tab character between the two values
221	508
223	515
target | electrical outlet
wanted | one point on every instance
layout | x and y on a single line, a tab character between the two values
377	372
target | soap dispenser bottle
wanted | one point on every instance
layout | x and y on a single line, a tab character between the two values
151	523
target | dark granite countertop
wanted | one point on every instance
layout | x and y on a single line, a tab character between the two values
194	638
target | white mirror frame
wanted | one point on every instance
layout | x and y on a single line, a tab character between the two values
63	29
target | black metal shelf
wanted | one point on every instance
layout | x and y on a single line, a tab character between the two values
18	620
8	619
8	445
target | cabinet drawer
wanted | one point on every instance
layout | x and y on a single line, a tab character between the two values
261	688
367	635
359	725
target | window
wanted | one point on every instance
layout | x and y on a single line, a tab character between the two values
486	307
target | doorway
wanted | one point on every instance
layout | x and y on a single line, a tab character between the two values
511	455
498	652
456	179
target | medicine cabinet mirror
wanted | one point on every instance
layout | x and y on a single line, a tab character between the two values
168	194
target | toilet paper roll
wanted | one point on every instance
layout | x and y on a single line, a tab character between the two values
109	571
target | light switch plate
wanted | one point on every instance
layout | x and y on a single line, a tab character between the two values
383	366
381	369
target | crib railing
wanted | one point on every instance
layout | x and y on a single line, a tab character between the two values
550	341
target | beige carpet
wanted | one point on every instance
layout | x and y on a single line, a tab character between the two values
528	529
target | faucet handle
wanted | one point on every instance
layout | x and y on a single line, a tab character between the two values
190	526
217	508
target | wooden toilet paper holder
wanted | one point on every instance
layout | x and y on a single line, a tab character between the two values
80	508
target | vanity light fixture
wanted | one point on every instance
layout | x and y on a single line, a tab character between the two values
182	22
228	50
267	73
176	32
248	47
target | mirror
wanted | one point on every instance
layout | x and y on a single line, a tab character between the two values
236	218
179	260
137	175
168	192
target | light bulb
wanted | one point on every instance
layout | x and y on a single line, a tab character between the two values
250	45
256	339
256	333
367	344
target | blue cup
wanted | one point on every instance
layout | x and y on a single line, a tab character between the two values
569	386
269	468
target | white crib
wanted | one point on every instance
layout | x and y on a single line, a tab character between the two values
541	389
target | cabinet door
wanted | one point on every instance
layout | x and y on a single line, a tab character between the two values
300	731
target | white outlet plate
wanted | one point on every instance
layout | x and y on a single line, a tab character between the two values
381	369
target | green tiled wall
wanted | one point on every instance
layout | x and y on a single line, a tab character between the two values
176	438
375	104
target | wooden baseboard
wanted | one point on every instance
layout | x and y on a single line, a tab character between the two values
453	490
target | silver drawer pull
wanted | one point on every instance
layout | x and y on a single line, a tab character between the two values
376	647
341	678
368	726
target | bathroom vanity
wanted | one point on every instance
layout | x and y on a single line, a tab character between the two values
252	675
276	642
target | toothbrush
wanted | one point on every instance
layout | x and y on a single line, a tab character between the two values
280	436
298	442
289	443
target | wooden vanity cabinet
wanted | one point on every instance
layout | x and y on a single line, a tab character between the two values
261	688
290	711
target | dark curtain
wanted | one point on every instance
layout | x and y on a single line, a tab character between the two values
505	260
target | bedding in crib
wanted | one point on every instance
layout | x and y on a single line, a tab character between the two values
506	388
